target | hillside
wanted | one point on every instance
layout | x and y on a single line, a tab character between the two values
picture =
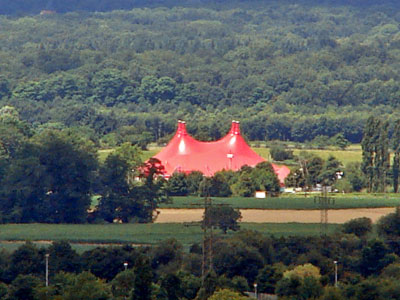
288	71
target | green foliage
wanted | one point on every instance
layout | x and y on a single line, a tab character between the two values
245	186
340	141
267	279
215	186
23	288
3	290
265	179
187	61
50	181
223	217
237	258
110	87
280	154
389	225
171	285
63	258
327	175
194	180
375	147
166	257
301	282
395	145
360	226
123	198
355	176
122	284
177	184
375	257
26	260
143	277
225	294
86	286
107	262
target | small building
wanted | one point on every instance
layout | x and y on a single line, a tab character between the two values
261	194
47	12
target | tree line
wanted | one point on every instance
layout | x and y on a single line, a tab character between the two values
55	176
376	155
288	72
293	267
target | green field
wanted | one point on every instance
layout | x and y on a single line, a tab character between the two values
103	153
135	233
293	202
353	154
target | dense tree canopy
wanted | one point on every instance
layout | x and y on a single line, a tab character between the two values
127	75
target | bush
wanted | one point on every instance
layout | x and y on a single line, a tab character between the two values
215	186
278	153
177	185
389	225
223	217
193	182
360	226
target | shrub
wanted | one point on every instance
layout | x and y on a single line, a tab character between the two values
360	226
279	153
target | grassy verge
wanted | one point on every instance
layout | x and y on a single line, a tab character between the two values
83	235
292	202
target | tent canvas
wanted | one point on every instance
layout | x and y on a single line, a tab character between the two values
186	154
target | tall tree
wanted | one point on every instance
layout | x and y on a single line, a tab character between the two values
143	279
49	180
327	175
367	145
396	158
124	198
382	161
375	154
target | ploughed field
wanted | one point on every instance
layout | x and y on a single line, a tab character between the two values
337	216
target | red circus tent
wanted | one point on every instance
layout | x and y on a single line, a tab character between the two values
186	154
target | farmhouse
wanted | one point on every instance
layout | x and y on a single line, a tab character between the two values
186	154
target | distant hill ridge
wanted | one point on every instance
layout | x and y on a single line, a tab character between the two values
23	7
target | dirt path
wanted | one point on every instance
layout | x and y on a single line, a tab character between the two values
278	216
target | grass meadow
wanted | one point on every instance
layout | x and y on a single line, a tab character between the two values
293	202
87	236
352	154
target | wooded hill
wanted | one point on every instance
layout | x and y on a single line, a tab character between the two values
289	71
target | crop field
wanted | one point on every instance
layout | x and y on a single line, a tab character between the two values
341	201
88	235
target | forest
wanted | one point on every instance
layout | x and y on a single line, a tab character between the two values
288	71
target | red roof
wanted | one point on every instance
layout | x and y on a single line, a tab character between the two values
186	154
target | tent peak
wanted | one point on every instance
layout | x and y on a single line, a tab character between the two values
235	128
181	128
